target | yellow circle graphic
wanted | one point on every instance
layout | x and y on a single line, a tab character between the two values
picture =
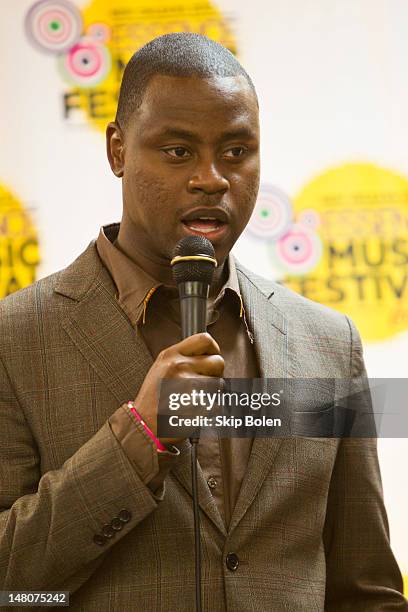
112	31
360	214
19	252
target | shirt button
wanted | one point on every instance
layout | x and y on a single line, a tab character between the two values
108	531
124	516
232	561
212	483
100	540
117	524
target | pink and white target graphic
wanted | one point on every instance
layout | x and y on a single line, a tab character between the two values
297	252
86	64
272	214
53	26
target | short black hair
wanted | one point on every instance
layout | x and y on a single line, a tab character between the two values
184	54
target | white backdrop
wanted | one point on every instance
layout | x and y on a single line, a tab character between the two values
332	78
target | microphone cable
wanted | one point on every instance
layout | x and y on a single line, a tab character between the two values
196	511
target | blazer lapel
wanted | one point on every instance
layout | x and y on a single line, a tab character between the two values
101	330
269	328
105	337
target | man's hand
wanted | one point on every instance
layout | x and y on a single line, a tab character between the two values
194	357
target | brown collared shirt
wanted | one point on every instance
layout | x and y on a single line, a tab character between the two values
153	310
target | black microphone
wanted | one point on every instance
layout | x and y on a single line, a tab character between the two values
193	266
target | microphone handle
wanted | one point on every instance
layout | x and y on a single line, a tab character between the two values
193	306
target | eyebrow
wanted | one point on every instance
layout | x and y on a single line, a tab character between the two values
243	132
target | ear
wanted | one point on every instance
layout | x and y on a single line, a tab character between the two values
115	148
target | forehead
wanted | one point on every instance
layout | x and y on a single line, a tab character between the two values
197	103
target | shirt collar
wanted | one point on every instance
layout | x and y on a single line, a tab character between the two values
135	287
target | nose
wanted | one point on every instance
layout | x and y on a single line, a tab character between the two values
207	178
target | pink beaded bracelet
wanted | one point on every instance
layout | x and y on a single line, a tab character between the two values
160	447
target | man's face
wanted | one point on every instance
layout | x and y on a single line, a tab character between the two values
190	164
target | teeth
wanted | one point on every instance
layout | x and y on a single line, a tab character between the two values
200	229
208	218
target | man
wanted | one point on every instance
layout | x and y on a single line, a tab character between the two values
91	501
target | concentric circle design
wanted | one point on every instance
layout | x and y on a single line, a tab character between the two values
99	32
272	214
87	63
309	218
54	26
298	251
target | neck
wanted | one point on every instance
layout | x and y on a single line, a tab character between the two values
161	270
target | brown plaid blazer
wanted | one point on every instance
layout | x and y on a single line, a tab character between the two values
309	528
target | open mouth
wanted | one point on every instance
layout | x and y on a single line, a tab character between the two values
204	225
212	223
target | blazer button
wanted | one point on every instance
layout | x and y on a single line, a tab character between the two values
117	524
124	516
212	483
232	561
100	540
108	531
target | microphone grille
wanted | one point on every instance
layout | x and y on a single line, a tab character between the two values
193	270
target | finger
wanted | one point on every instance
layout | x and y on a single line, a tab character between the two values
208	365
199	344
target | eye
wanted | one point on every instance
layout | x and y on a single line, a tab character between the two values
235	152
177	152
